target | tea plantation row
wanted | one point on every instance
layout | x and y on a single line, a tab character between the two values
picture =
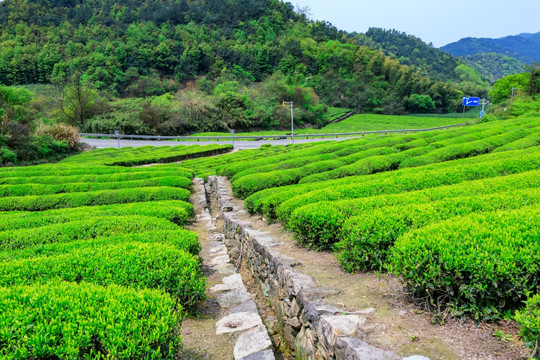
454	213
94	260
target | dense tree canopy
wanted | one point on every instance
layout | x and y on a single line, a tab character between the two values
176	66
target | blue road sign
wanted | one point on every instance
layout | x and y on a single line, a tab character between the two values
471	101
482	113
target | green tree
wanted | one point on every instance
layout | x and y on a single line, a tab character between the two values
534	79
419	104
502	89
78	103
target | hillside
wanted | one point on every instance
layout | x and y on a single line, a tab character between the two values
494	66
524	47
414	52
142	48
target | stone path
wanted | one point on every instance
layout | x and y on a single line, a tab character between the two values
230	326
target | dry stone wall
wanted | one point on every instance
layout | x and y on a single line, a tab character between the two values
312	328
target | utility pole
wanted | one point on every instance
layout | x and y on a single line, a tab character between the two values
482	113
512	97
117	133
290	103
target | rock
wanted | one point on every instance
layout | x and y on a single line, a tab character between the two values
227	208
332	327
261	355
348	348
294	281
312	311
294	311
232	298
218	260
313	294
367	311
416	357
229	283
289	334
305	341
233	280
226	269
294	322
252	341
246	306
238	322
218	250
271	325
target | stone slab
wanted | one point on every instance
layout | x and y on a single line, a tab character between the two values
252	341
238	322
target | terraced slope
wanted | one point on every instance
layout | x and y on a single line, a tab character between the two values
455	213
94	260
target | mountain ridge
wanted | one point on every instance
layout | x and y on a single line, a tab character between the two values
524	47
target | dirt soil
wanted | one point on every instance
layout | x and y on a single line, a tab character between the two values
398	325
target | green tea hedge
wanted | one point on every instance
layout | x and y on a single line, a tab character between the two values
92	198
62	320
42	189
479	264
176	211
180	154
320	224
83	229
138	265
138	174
180	239
529	321
397	182
367	239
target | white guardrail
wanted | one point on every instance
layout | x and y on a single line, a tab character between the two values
260	137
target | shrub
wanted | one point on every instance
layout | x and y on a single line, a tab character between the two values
68	177
529	321
178	212
7	156
83	229
169	155
367	239
138	265
105	197
75	321
61	132
321	222
180	239
479	264
252	183
42	189
402	181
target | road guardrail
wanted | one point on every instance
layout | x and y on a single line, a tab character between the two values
261	137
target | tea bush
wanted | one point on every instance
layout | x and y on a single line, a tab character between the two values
76	321
479	264
139	265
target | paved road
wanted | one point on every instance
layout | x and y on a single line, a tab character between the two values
242	145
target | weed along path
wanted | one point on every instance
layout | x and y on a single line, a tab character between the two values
320	311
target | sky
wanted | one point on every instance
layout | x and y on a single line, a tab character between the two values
435	21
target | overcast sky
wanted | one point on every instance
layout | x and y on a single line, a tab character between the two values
437	21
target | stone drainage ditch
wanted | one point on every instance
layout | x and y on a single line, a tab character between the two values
270	299
232	327
309	327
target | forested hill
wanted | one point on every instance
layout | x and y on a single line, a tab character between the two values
414	52
494	66
524	47
148	47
